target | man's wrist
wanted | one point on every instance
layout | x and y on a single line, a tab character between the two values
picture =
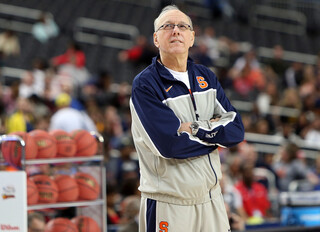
194	128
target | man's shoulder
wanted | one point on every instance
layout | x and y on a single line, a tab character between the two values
145	76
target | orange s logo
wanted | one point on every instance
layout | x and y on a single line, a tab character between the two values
202	83
163	226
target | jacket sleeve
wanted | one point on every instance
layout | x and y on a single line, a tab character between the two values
159	124
229	130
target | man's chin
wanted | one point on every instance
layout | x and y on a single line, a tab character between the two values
178	50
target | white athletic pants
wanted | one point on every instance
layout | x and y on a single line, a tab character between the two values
156	216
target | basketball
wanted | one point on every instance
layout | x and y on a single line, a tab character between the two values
48	189
66	146
12	150
46	143
32	192
67	188
86	143
86	224
60	225
89	188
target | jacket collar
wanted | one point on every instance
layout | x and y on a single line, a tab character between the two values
163	72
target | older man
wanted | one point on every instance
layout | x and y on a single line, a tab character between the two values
180	115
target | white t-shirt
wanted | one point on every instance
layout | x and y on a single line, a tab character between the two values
181	76
70	119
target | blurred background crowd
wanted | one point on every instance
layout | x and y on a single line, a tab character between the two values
82	55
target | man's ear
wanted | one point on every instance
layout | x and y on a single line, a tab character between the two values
192	38
155	40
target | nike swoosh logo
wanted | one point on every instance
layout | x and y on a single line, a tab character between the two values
168	89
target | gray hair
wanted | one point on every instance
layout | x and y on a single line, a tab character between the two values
165	10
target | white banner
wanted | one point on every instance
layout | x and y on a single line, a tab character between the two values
13	201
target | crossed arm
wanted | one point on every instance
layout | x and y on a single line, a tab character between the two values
185	126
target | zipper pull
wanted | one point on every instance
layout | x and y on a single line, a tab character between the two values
197	115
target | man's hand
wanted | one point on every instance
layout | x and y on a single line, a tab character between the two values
215	118
185	126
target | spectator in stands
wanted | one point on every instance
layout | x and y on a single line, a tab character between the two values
291	99
122	96
212	43
130	186
316	171
113	217
113	129
200	55
247	76
285	128
231	195
309	83
219	8
262	126
233	50
277	63
130	214
310	103
140	54
9	43
304	120
39	67
124	166
249	80
23	118
68	118
1	61
293	75
236	222
268	97
36	222
72	63
289	167
234	163
249	58
45	28
248	153
58	83
95	113
73	55
34	81
42	122
26	85
105	94
9	97
254	195
312	136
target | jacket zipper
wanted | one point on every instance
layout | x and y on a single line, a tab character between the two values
194	104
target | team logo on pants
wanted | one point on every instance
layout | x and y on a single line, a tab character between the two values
163	226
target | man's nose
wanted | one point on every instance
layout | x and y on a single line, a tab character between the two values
176	30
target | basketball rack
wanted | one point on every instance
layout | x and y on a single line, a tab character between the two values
78	161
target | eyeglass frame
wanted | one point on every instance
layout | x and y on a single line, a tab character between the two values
188	27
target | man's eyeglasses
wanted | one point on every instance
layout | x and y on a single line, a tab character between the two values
171	26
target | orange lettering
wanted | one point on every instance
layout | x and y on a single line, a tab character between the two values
202	83
163	226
